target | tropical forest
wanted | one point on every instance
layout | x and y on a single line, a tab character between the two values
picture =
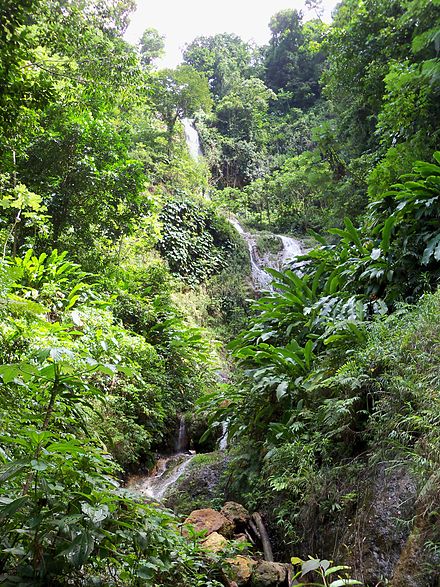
219	303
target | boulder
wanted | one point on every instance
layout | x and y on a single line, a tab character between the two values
209	520
241	569
215	542
236	513
268	574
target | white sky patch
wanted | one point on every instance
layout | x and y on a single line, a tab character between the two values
181	21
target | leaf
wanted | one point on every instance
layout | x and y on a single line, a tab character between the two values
95	514
332	570
13	506
38	465
375	254
282	390
79	550
432	249
9	372
13	470
386	233
342	582
76	318
310	565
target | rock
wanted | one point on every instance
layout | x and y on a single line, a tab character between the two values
268	574
215	542
235	512
200	485
241	569
209	520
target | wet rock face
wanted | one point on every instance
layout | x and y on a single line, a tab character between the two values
379	531
209	520
199	487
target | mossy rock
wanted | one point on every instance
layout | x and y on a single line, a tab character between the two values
201	485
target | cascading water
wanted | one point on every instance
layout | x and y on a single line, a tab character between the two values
167	469
192	138
182	437
261	279
166	472
223	442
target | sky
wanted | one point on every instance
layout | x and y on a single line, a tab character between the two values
181	21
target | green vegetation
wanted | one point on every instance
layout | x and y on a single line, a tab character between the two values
122	281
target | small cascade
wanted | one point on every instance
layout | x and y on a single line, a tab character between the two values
167	470
292	248
260	278
223	442
182	437
192	138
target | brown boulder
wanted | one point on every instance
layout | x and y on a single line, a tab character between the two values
215	542
209	520
241	569
268	574
235	512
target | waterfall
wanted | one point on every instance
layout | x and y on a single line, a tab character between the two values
260	278
182	437
166	472
192	138
223	442
291	248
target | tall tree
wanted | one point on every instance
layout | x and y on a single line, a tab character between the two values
151	46
180	93
223	58
293	62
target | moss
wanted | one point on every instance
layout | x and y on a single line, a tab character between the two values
269	243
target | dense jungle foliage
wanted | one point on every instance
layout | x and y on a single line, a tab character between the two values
122	281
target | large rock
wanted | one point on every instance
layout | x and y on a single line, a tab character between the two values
215	542
236	513
268	574
209	520
241	569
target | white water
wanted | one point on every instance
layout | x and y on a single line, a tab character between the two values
166	472
192	138
260	278
223	442
291	249
182	438
167	469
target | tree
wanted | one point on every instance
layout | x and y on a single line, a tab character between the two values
151	46
224	59
293	60
180	93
